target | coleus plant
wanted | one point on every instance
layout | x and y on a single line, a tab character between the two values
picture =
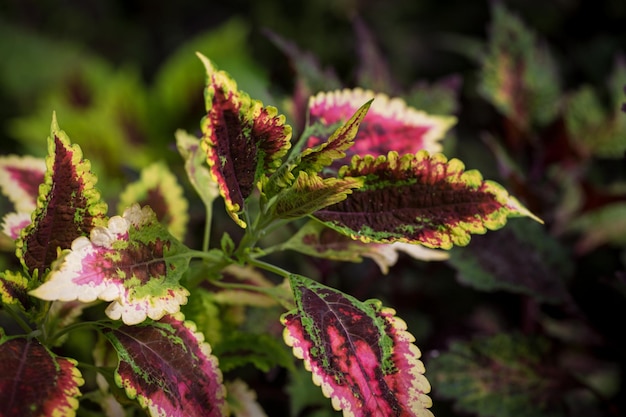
364	178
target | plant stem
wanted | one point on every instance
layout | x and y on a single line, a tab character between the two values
207	226
18	318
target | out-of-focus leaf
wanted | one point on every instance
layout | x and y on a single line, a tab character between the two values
390	125
358	352
196	167
179	81
522	258
242	400
304	395
595	129
158	188
14	289
439	97
316	239
106	111
244	140
499	376
373	69
69	205
419	198
310	76
239	296
36	382
263	351
169	368
606	225
14	223
133	262
518	73
20	177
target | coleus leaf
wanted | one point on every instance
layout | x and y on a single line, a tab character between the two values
597	130
20	177
169	368
36	382
390	125
196	167
242	400
133	262
14	289
14	223
358	352
316	239
158	188
521	258
313	160
243	139
310	193
69	205
500	376
419	198
518	74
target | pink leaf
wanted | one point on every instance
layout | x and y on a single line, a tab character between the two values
358	352
168	367
133	262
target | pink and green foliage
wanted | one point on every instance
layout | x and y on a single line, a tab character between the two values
133	262
36	382
359	352
168	367
364	179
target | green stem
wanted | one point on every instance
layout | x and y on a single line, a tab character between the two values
70	328
15	315
269	267
207	226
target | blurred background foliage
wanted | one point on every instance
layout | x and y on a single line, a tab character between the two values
122	77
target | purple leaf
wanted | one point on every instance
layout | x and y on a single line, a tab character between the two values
168	367
36	382
358	352
244	140
69	206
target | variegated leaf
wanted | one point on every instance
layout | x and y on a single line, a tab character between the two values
242	400
20	177
158	188
69	205
316	239
390	125
14	289
312	161
133	262
358	352
518	74
244	140
14	223
419	198
35	382
168	368
310	193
